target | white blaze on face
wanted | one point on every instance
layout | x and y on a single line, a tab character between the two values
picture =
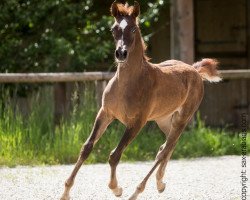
123	24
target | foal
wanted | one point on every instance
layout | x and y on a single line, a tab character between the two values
168	93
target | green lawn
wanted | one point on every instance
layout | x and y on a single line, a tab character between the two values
33	140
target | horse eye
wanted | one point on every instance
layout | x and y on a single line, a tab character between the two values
133	30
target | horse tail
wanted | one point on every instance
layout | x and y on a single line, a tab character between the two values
207	68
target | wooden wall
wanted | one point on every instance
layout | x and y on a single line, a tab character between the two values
221	33
159	44
221	30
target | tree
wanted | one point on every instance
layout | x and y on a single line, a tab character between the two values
60	35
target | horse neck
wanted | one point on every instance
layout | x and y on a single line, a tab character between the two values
135	63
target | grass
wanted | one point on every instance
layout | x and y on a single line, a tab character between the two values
33	140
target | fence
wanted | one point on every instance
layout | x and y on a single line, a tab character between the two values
91	76
100	79
54	77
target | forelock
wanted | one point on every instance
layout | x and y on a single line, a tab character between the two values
125	9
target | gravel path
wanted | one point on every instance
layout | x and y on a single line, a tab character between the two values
199	179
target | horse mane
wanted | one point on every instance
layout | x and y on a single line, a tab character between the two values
144	50
125	9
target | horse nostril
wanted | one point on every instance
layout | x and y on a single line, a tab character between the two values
117	55
121	54
125	54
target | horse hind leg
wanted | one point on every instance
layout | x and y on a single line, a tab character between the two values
165	125
177	126
181	118
161	172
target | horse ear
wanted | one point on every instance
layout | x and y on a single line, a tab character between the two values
114	9
123	2
136	10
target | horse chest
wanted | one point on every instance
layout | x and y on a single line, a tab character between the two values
125	103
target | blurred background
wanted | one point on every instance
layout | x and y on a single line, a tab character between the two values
47	123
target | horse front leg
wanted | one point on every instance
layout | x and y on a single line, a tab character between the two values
114	158
103	119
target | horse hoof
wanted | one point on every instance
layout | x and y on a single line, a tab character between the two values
117	191
65	198
161	187
133	197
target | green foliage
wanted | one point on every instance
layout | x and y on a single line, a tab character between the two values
42	35
60	35
200	141
32	139
52	35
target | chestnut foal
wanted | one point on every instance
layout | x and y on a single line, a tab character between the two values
168	93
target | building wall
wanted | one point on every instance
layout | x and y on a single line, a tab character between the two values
159	45
221	32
